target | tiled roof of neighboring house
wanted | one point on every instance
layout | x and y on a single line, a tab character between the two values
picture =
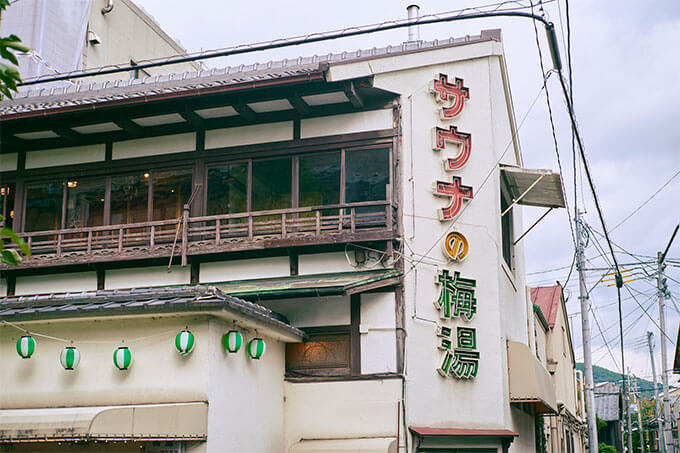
32	99
548	298
197	298
607	401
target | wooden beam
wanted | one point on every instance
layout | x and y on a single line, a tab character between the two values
246	112
68	134
298	103
128	126
193	118
353	95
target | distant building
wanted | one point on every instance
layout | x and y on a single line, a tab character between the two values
608	407
70	35
566	432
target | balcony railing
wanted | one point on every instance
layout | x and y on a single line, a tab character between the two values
186	236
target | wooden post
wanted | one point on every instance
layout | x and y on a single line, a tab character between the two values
89	242
318	223
120	240
152	237
250	227
283	225
185	234
352	219
218	227
60	237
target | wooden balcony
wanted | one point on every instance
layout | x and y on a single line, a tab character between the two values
190	236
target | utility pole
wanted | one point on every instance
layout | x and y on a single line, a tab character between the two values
641	431
662	291
628	417
659	418
585	334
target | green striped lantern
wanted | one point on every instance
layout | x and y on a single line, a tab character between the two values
233	340
70	358
184	342
122	358
256	348
26	346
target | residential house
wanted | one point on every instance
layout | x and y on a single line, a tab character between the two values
608	407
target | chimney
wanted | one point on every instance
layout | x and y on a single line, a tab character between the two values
413	30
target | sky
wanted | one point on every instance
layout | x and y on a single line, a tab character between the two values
626	86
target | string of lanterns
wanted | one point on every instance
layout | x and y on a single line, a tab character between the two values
185	341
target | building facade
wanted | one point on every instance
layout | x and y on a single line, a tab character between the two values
73	35
337	208
567	431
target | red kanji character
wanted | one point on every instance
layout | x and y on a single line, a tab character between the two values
446	92
439	138
456	192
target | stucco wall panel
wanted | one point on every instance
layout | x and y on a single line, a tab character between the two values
153	146
225	271
158	373
56	283
313	312
347	123
65	156
358	409
249	135
378	343
321	263
146	277
8	162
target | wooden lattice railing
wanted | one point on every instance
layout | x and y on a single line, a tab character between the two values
215	233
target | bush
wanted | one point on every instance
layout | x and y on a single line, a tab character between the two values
604	448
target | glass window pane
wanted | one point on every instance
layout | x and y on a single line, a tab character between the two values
367	175
43	206
85	203
171	190
228	189
129	198
272	184
320	179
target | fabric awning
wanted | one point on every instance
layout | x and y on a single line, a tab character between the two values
363	445
547	192
180	421
530	382
346	283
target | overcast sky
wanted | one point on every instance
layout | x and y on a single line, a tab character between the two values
627	97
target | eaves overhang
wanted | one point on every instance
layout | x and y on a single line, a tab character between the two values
186	300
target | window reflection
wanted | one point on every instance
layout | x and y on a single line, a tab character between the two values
129	199
171	190
272	184
43	206
320	179
228	189
367	175
85	203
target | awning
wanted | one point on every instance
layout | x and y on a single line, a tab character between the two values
455	438
530	382
362	445
546	191
346	283
180	421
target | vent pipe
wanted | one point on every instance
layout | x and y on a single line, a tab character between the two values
413	15
109	6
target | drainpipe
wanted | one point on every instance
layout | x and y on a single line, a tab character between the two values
109	6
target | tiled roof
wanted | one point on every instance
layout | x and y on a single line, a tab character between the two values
34	98
137	301
548	298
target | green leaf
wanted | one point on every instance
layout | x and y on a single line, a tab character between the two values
12	236
6	54
10	257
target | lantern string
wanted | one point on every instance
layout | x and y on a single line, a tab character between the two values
67	340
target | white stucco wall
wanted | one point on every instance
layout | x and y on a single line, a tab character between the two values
313	311
341	410
378	340
56	283
249	135
8	162
322	263
143	147
65	156
225	271
146	276
346	123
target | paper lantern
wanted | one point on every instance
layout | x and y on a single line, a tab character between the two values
256	348
233	340
184	342
122	358
26	346
70	358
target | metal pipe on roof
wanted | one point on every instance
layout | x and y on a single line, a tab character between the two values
108	8
413	15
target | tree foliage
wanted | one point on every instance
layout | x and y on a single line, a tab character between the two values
11	256
604	448
9	74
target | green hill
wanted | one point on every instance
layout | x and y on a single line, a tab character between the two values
604	375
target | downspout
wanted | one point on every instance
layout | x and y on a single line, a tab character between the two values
108	8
